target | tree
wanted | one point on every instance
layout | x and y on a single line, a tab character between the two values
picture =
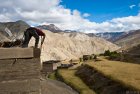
107	53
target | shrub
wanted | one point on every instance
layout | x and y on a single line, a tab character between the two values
80	59
107	53
115	56
95	57
112	55
86	57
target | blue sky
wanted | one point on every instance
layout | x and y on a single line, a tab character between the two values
103	10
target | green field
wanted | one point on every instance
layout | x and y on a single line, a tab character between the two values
69	78
52	76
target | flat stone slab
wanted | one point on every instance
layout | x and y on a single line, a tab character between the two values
55	87
28	86
19	69
35	86
9	53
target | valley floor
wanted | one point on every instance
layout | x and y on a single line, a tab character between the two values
121	75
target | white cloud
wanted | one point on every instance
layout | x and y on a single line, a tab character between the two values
4	18
132	6
50	11
86	15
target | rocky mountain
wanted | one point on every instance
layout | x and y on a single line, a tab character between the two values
62	45
134	50
70	31
16	28
91	34
51	28
54	29
66	46
132	54
110	36
129	39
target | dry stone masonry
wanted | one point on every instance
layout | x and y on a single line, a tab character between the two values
20	71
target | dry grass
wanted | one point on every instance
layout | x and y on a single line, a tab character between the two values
125	73
68	62
74	81
52	76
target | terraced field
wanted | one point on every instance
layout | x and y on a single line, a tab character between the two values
126	73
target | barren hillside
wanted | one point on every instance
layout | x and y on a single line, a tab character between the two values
129	40
17	28
72	46
62	45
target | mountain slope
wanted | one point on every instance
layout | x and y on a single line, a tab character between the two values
110	36
51	28
132	54
68	46
134	50
17	28
3	38
129	39
61	45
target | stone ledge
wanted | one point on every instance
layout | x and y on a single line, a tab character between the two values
21	69
30	85
12	53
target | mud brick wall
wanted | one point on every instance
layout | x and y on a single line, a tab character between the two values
50	66
21	75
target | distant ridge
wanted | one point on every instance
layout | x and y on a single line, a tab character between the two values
16	28
51	28
129	39
110	36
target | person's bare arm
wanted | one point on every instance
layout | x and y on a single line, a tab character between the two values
42	40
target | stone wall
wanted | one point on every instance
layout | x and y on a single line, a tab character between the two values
20	75
50	66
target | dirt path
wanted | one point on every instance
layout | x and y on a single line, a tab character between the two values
55	87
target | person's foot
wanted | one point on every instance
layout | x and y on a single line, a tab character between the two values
24	46
36	46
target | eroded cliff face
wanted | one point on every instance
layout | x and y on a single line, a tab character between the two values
65	46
